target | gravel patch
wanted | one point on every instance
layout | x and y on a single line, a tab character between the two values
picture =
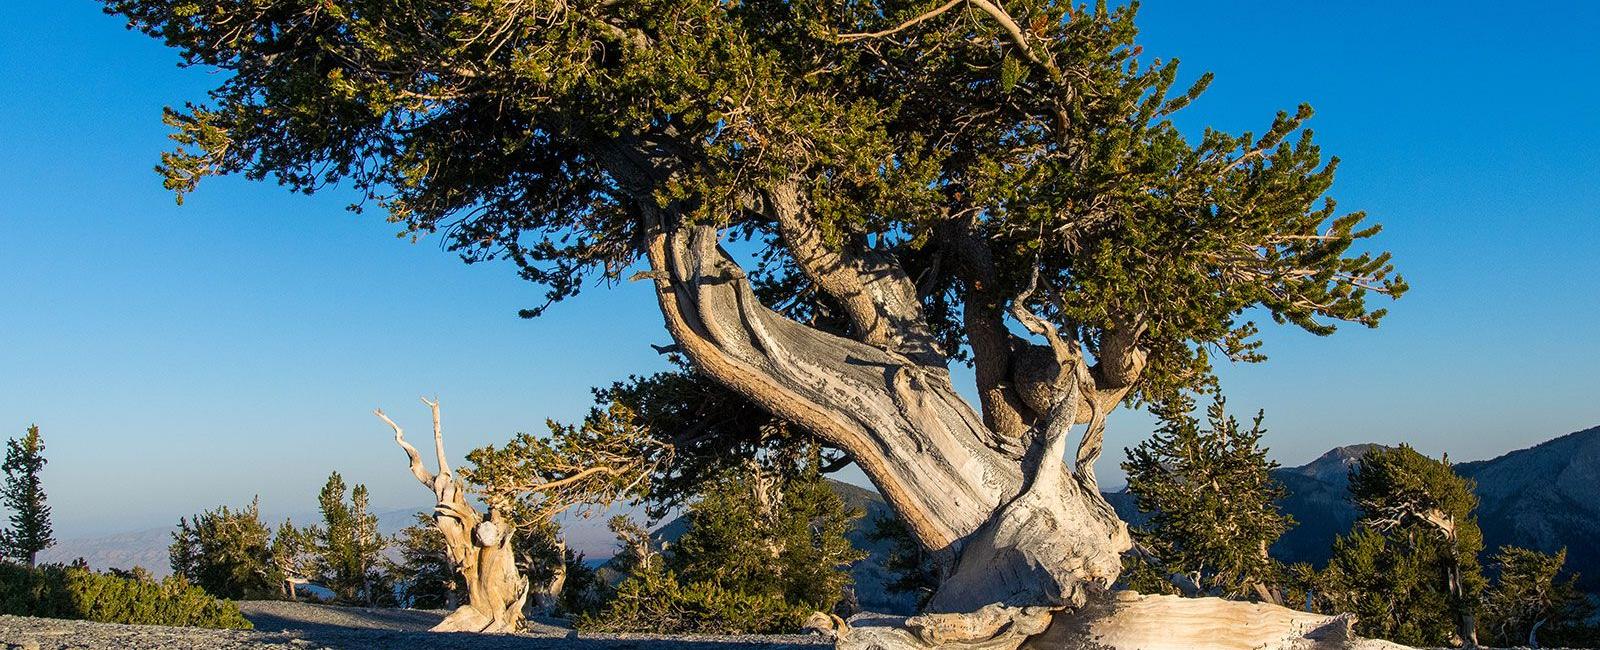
286	625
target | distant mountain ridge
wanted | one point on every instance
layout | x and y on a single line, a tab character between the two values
1545	497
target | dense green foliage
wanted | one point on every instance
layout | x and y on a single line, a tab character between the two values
56	591
1394	589
228	553
964	150
654	599
1409	571
23	494
1214	502
346	548
760	553
1527	604
781	536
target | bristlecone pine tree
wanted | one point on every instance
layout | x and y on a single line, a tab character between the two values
523	485
228	553
294	557
23	494
1409	571
917	181
1215	507
763	548
781	534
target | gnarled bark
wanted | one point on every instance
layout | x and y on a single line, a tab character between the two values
480	548
902	421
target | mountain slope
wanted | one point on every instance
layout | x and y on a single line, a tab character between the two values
1545	497
1319	501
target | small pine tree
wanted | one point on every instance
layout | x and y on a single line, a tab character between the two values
228	553
348	548
23	494
294	556
762	550
1391	587
424	576
1409	570
1214	502
584	589
778	536
1527	603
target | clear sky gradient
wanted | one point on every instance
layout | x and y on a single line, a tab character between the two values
181	358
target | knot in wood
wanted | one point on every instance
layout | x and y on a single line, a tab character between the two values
486	534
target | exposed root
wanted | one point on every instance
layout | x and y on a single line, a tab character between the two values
1118	621
991	628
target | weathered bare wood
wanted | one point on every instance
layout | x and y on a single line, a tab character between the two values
479	548
1160	622
1118	621
923	446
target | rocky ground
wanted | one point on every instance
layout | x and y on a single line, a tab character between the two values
283	625
301	625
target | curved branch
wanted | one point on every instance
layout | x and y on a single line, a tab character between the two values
417	470
569	480
902	26
1066	353
877	294
1089	447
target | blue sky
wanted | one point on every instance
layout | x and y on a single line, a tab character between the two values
180	358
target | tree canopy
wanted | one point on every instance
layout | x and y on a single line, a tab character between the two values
1410	567
228	553
960	146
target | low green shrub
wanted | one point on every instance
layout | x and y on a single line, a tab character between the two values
56	591
653	600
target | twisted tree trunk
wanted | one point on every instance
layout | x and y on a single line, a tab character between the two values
1020	540
922	445
480	548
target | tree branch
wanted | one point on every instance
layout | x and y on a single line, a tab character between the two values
417	469
902	26
877	294
438	437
